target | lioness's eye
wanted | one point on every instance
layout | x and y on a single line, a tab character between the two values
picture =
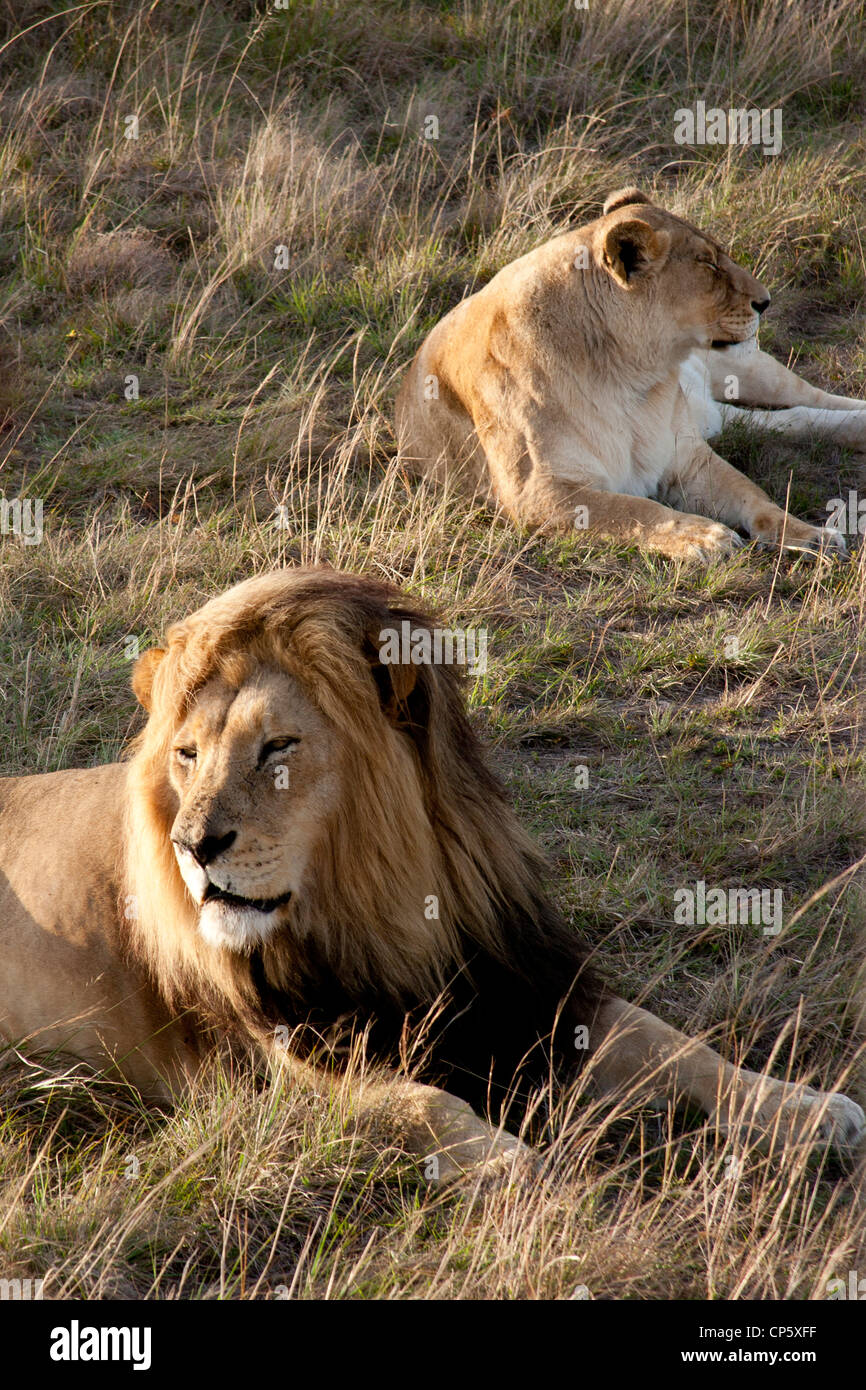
186	755
277	745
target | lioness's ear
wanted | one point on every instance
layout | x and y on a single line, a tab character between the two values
622	198
633	248
143	673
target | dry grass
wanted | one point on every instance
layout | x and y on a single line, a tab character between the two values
262	435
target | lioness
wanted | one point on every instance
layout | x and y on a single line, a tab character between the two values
557	390
306	838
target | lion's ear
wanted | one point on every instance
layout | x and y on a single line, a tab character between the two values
633	248
623	198
395	677
143	673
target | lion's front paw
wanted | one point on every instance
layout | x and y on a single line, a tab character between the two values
498	1170
696	539
777	1114
844	1126
495	1161
468	1150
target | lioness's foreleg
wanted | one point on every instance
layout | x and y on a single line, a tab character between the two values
547	479
701	481
846	427
636	1055
556	504
762	381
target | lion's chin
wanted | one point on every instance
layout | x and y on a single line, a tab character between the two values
235	928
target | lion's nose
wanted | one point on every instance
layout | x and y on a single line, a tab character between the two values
207	848
759	305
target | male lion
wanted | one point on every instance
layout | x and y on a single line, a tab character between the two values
577	388
306	838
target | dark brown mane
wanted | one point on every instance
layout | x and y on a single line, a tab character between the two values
499	954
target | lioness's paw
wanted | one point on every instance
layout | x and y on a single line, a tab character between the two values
829	538
694	538
786	1114
792	534
848	426
821	540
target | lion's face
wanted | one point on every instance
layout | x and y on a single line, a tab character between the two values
255	773
678	269
292	790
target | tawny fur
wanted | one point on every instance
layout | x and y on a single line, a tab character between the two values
556	391
389	807
402	831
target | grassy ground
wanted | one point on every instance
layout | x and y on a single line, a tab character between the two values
262	435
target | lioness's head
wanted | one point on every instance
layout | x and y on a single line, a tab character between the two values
651	254
297	793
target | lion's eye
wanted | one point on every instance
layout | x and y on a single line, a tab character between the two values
276	745
186	755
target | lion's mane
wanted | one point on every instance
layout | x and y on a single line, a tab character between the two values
420	818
